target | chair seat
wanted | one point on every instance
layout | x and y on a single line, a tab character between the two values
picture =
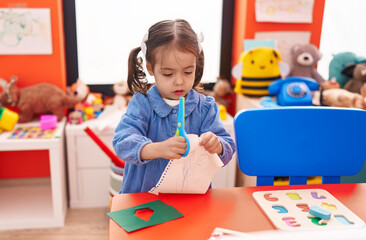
300	142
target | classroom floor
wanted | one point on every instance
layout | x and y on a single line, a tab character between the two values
80	224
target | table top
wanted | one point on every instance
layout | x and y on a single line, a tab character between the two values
7	144
230	208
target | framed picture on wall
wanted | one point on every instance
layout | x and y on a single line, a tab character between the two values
25	31
289	11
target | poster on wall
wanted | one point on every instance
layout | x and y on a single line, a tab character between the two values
25	31
286	11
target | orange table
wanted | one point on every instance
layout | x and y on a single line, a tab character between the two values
231	208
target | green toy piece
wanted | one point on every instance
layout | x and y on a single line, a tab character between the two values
128	220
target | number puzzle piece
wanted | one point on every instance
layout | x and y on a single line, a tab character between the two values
303	206
293	196
319	212
343	219
290	221
316	221
280	209
268	197
329	207
315	195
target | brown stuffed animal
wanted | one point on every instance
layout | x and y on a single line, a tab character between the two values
357	72
121	97
335	96
304	59
36	99
363	94
221	88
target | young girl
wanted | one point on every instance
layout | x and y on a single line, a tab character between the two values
144	138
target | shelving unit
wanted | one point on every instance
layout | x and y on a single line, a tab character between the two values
88	166
35	202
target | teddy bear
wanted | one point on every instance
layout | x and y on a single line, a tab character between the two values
357	72
37	99
304	58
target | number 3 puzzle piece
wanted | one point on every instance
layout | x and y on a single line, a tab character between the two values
290	221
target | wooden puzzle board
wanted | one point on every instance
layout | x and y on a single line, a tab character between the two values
289	209
31	132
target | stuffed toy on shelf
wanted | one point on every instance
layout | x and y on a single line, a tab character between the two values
357	73
121	94
339	62
256	69
338	97
221	89
304	59
37	99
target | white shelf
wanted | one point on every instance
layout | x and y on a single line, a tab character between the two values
26	206
35	202
88	166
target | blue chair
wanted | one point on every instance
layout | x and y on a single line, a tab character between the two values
300	142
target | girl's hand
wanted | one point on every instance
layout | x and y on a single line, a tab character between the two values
172	148
211	143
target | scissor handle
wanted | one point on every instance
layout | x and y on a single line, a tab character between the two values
180	130
183	133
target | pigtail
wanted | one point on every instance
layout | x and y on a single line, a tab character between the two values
136	78
199	71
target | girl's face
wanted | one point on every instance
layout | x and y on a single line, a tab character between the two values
174	73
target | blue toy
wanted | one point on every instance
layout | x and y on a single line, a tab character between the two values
268	102
180	129
294	91
319	212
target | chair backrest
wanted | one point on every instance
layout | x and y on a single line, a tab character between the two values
299	142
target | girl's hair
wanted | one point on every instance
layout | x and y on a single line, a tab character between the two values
177	32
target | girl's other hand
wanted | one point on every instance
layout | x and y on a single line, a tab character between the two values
211	143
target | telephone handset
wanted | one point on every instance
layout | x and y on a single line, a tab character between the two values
294	91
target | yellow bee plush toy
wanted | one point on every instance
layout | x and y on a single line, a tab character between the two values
257	68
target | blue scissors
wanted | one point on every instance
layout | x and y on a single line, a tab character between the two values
180	129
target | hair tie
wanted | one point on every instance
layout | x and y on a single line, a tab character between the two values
143	43
200	39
